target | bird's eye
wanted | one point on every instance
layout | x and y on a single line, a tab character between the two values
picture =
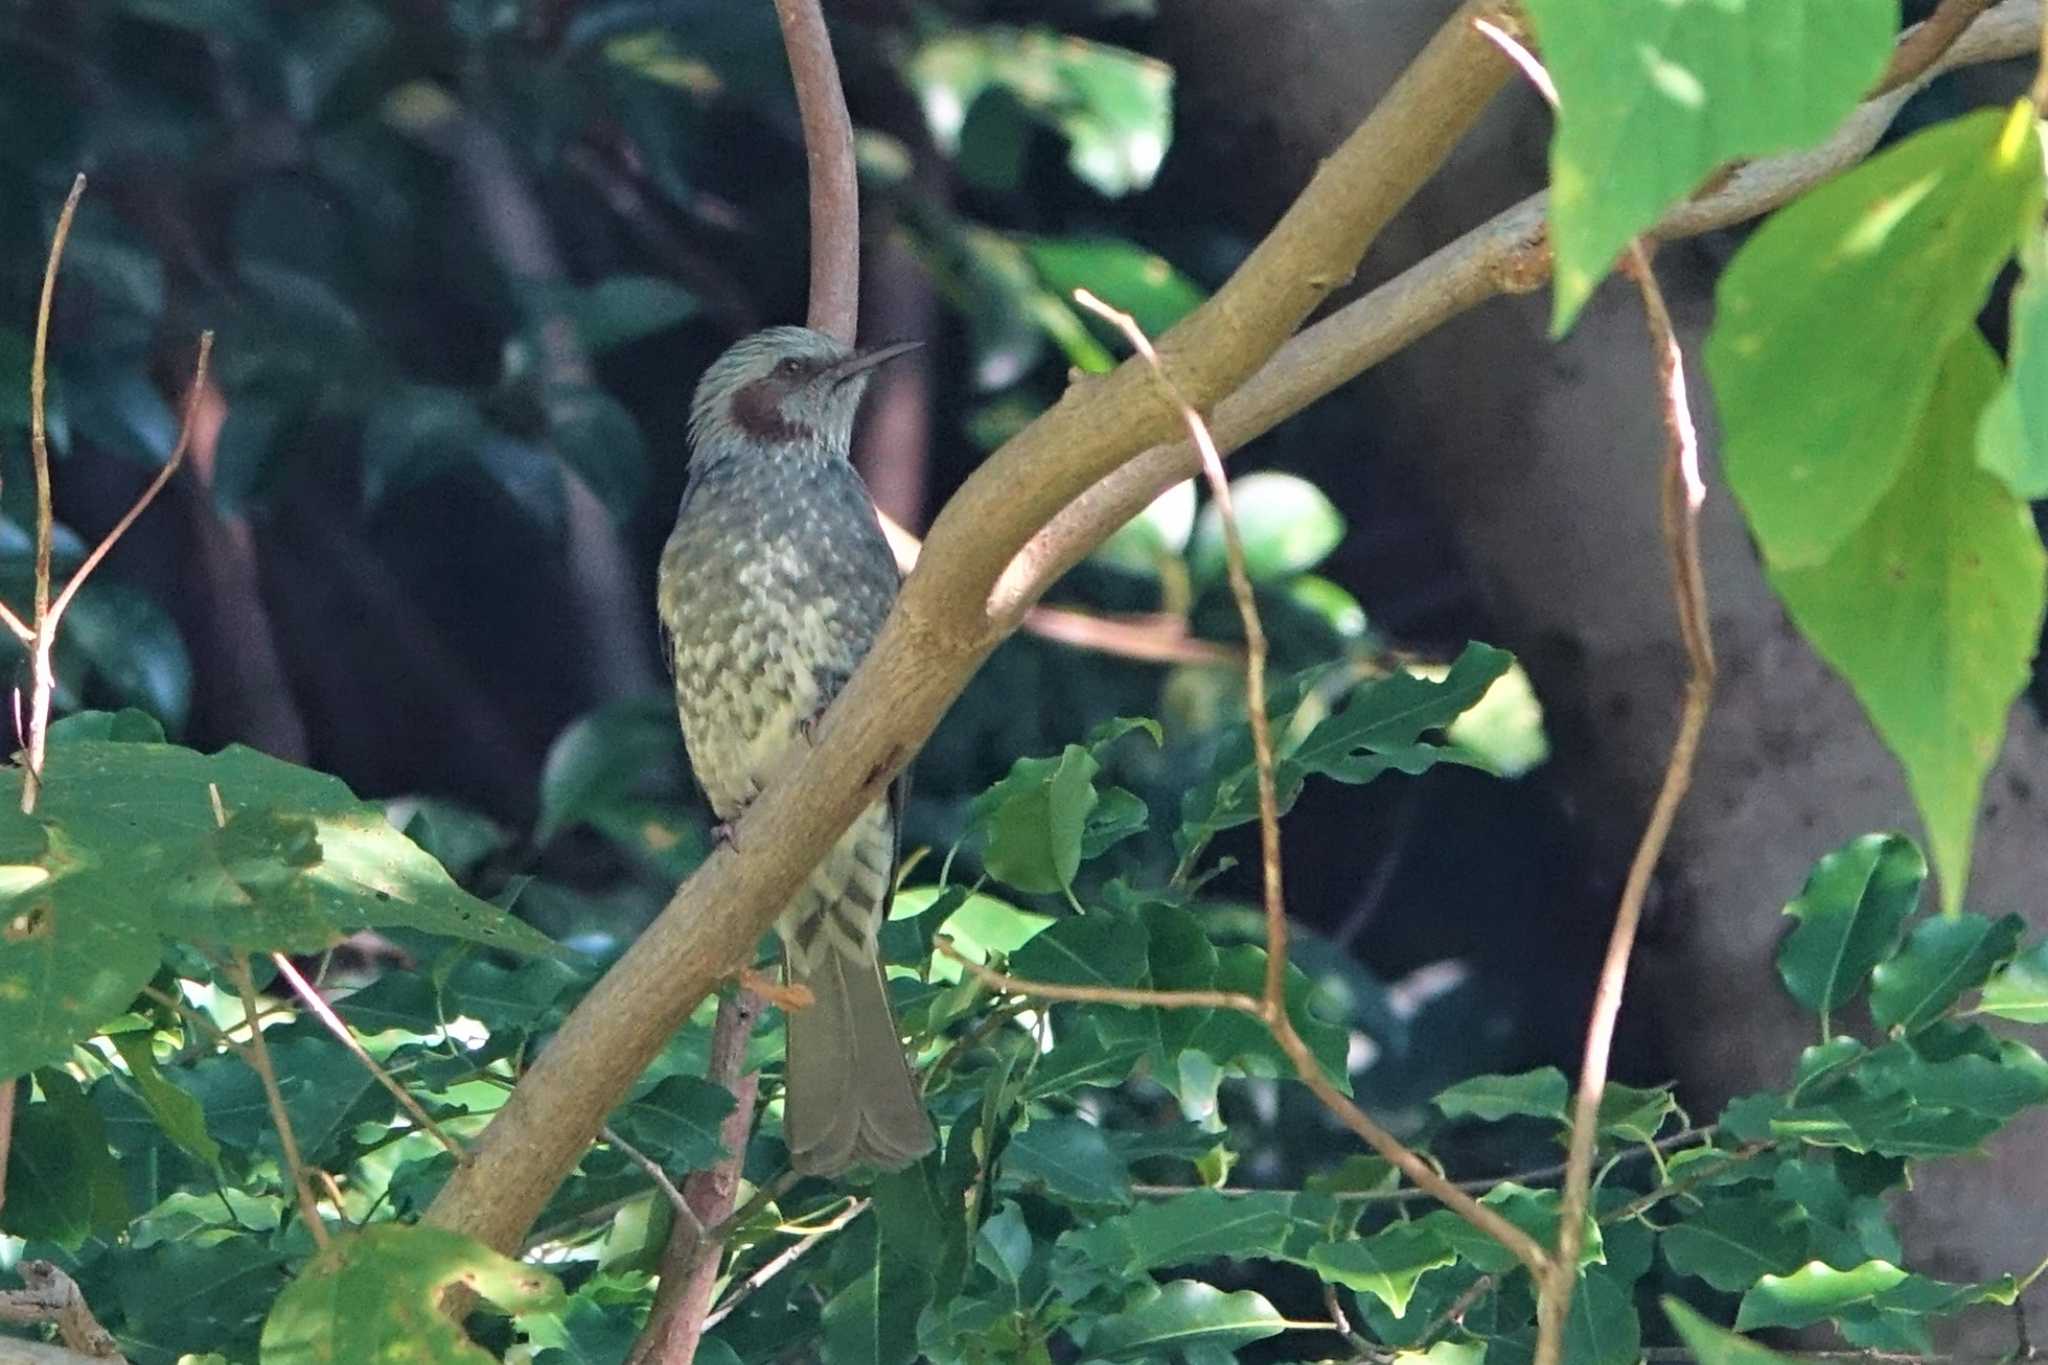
791	367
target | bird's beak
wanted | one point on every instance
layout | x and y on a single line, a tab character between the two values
862	361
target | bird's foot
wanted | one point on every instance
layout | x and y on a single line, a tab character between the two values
785	996
725	834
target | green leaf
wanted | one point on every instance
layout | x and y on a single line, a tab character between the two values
1086	950
1538	1094
2012	439
1036	817
75	948
1602	1328
1653	95
414	433
677	1123
1855	903
1814	1292
132	843
1633	1113
1071	1159
1287	524
1711	1345
617	311
1942	958
605	759
1533	1211
1931	608
1114	107
2019	989
1385	1265
1995	1087
982	925
1822	409
175	1111
1188	1229
1120	273
63	1184
1379	727
1731	1243
373	1298
1154	537
1181	1315
598	439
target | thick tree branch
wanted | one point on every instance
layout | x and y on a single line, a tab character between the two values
961	600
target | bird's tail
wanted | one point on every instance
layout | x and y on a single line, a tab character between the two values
850	1097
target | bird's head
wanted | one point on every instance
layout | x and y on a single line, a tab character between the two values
781	388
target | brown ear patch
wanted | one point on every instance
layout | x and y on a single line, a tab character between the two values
757	410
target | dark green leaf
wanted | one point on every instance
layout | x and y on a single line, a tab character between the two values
1183	1314
1539	1094
1711	1345
1191	1228
1855	903
1086	950
1035	819
1731	1243
1942	958
1071	1159
1602	1328
1386	1264
599	440
604	759
62	1182
677	1122
175	1111
2019	989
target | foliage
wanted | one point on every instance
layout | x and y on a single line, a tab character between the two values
1114	1181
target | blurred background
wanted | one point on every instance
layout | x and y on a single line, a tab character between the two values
467	257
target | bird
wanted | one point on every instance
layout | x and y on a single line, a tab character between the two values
772	587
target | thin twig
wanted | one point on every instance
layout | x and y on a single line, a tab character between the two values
1134	997
1683	492
782	1261
1272	1006
1254	647
763	1195
148	495
7	1095
686	1215
828	150
1454	1312
1691	1180
45	681
2039	91
258	1054
1476	1185
325	1013
1333	1303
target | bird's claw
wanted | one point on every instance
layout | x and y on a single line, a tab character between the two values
785	996
725	834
